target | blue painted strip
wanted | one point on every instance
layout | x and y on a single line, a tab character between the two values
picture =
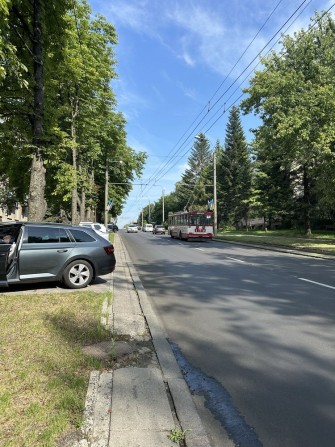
218	401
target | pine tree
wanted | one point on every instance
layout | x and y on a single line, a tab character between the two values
193	191
234	174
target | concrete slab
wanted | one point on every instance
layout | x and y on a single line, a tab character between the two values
140	439
126	303
140	402
130	325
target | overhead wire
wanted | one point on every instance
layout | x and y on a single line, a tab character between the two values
162	171
245	69
309	30
208	103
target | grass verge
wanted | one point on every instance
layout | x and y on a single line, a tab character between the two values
323	242
43	371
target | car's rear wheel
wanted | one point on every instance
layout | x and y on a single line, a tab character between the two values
78	274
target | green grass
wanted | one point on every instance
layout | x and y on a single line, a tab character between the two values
43	372
319	242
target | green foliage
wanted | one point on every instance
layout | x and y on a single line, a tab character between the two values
176	435
196	185
82	131
295	97
234	173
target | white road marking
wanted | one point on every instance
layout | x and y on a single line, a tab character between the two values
200	249
234	259
318	283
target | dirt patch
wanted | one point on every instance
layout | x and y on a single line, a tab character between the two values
124	353
69	438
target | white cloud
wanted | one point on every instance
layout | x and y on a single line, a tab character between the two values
128	100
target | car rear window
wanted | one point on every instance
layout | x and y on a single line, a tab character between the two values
46	235
81	236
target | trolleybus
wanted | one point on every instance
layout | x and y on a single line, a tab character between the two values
191	225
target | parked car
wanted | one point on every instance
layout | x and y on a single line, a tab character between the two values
112	228
132	228
159	229
39	252
148	227
97	227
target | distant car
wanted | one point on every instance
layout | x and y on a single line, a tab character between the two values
148	227
132	228
97	227
159	229
39	252
112	228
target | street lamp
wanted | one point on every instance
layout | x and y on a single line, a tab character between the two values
106	188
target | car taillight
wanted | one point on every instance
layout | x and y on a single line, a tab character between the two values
109	250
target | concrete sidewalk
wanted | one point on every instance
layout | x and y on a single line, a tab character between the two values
144	397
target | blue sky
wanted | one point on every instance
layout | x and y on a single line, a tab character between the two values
181	66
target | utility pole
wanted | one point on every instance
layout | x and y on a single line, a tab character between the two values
163	217
106	193
215	226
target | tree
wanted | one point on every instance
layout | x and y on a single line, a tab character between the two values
193	190
86	99
295	98
234	173
23	91
58	111
273	190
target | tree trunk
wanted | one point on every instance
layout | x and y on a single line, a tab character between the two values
74	218
37	203
74	213
307	202
83	205
90	214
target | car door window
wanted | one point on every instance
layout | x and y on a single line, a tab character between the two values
41	235
81	236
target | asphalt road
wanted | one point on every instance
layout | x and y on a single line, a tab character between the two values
259	325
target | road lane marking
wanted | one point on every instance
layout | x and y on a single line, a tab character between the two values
200	249
318	283
234	259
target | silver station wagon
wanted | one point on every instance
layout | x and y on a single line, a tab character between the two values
39	252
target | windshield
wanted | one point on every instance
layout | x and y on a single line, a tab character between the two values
200	219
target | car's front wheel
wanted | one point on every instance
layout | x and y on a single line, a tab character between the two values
78	274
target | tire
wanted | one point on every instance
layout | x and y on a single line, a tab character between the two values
78	274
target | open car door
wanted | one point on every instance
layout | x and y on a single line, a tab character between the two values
4	250
9	252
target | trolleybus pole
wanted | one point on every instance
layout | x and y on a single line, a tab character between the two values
215	223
